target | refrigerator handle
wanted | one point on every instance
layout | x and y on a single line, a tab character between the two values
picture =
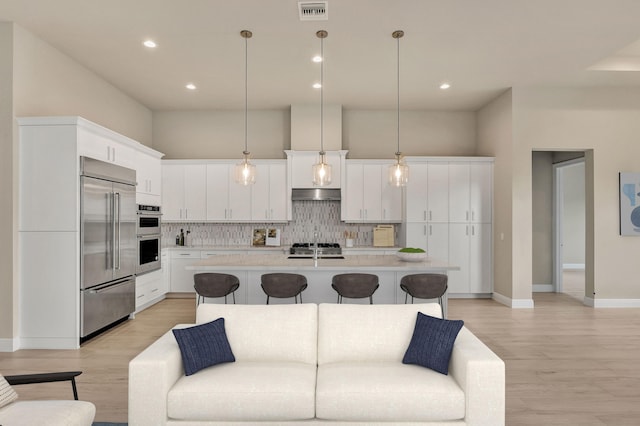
113	230
117	221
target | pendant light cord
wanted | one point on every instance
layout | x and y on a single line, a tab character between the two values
246	91
322	96
398	93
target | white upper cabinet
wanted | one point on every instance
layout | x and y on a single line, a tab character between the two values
101	147
269	196
149	174
367	195
427	193
184	192
470	192
227	200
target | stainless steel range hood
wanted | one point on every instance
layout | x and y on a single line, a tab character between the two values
315	194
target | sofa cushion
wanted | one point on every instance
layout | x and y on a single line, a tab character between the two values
249	391
50	413
386	391
7	394
268	333
432	342
203	345
350	332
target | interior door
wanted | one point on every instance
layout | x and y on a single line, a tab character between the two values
96	232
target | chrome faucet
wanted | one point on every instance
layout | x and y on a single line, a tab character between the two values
315	246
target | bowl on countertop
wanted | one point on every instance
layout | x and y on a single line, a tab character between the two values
411	257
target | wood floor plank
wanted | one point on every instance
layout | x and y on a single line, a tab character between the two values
566	364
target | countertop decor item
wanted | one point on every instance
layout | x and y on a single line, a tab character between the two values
409	254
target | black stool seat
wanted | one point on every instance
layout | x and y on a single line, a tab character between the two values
355	286
425	286
213	284
283	285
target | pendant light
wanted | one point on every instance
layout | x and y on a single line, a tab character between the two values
245	172
398	171
321	170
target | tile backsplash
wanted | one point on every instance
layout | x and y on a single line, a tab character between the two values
308	216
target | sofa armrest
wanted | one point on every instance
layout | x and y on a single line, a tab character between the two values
151	375
481	375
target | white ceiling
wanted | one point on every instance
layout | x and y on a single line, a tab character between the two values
481	46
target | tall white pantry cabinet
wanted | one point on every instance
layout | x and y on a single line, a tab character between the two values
448	212
49	219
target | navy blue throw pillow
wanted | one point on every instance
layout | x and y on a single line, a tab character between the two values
203	345
432	342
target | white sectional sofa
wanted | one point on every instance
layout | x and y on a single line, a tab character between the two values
310	363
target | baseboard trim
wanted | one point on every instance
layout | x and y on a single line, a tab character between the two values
573	266
612	303
49	343
9	345
544	288
513	303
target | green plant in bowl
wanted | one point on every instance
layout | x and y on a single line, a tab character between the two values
411	250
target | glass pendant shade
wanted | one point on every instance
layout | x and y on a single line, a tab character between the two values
398	172
245	172
321	172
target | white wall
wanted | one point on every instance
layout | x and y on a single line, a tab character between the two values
495	138
47	82
365	133
605	122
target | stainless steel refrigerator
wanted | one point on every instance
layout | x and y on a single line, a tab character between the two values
108	244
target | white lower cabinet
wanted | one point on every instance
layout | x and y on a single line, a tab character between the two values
181	278
470	248
431	237
150	288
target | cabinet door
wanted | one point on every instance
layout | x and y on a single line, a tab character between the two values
416	193
278	196
353	200
217	191
480	192
480	258
459	193
416	235
260	194
459	256
372	192
239	199
195	192
438	241
182	279
172	192
391	199
438	192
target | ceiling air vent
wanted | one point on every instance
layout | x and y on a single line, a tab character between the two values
313	10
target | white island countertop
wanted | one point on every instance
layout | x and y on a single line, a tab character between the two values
280	262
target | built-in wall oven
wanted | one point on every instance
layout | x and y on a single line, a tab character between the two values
149	238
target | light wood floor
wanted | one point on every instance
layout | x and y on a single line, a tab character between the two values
566	364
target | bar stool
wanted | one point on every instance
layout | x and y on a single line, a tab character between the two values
283	285
213	284
425	286
355	286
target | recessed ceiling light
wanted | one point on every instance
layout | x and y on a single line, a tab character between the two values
445	86
150	43
191	86
317	58
317	85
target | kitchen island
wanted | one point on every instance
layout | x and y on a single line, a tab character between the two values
248	269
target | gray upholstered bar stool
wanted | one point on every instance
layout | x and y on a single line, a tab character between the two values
425	286
213	284
283	285
355	286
